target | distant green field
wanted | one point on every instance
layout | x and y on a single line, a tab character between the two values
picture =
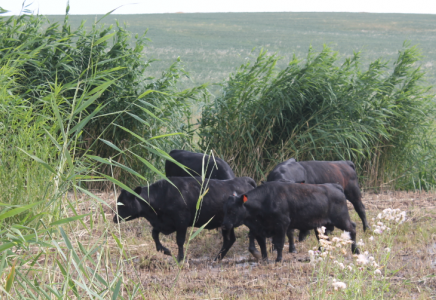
212	45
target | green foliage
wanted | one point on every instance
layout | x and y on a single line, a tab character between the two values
41	162
319	109
22	126
106	63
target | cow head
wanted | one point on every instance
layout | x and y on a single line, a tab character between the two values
234	212
128	206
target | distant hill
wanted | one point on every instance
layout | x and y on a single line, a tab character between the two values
214	44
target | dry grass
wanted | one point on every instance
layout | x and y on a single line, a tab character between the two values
409	273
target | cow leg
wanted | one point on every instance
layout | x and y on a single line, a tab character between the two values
350	226
355	197
316	234
272	247
279	241
303	235
159	246
252	247
352	230
228	240
180	238
329	229
262	244
290	234
317	238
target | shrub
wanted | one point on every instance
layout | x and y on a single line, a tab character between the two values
109	64
320	109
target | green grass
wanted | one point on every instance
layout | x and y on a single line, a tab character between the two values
213	44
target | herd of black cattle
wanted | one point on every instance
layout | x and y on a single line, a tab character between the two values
297	195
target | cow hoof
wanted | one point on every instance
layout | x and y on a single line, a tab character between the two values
218	258
256	254
165	251
292	250
355	249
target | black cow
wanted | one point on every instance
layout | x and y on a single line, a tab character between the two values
318	172
216	169
172	207
274	209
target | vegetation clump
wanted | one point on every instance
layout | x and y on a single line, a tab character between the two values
381	118
366	275
98	75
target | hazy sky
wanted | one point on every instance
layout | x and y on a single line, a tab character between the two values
57	7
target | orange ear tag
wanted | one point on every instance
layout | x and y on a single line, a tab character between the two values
244	198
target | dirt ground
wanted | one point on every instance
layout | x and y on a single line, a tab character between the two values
410	273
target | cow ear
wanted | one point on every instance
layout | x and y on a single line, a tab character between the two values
138	190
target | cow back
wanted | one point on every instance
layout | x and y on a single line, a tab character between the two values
319	172
178	200
289	170
215	168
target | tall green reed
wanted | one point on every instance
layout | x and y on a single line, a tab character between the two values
42	255
51	53
319	108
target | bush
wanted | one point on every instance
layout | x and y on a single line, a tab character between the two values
320	109
110	65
